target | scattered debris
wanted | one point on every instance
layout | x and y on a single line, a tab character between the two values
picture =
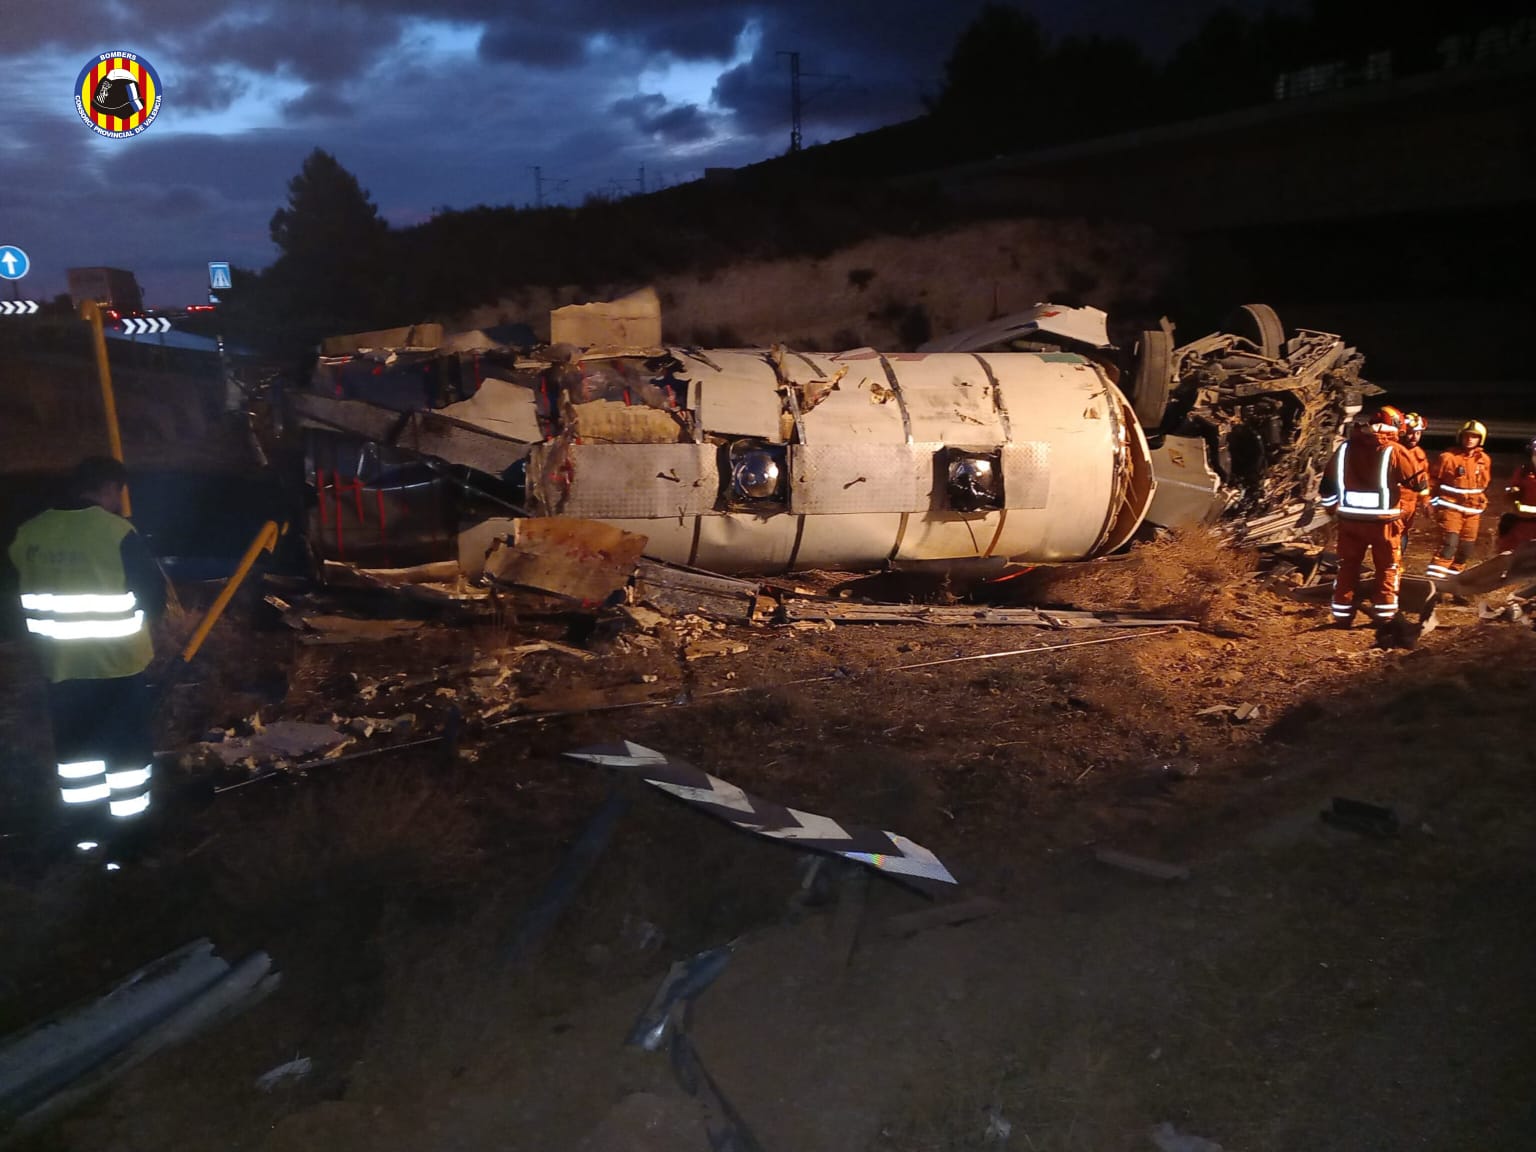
665	1021
55	1065
584	560
1360	816
1246	712
910	923
282	740
1167	1138
999	1127
1140	864
293	1070
700	649
893	855
799	611
677	592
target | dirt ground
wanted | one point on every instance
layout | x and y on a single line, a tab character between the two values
1305	987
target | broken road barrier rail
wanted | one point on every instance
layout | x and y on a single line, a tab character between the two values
889	853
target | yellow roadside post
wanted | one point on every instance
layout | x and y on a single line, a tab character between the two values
90	311
266	540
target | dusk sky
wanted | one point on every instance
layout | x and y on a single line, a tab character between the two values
440	105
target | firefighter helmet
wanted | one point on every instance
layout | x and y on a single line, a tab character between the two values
1387	419
1473	428
1413	422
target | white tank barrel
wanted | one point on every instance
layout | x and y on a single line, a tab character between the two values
850	460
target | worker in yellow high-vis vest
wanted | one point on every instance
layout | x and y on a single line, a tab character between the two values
89	591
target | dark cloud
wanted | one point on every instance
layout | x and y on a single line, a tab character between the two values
213	92
312	42
319	102
650	114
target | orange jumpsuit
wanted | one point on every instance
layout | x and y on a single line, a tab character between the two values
1519	526
1364	486
1415	498
1461	478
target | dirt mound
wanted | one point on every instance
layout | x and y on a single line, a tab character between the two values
1187	574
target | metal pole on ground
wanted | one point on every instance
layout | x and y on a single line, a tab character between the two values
265	541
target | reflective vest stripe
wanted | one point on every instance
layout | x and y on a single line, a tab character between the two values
82	769
87	794
114	604
100	629
1463	491
128	778
121	808
1454	507
1356	504
1525	509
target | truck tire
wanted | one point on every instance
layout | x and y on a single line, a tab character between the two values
1260	323
1152	378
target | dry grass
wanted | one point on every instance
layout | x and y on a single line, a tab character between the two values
1185	575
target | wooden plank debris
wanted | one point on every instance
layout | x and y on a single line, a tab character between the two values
678	592
841	612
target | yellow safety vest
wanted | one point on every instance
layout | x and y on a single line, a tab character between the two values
75	595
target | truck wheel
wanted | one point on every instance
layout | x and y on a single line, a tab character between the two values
1259	323
1152	378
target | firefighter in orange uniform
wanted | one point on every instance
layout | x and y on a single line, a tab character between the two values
1414	499
1461	478
1363	487
1519	527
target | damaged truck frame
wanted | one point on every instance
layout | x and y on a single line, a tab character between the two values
419	447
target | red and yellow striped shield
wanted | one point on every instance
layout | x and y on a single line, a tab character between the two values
118	94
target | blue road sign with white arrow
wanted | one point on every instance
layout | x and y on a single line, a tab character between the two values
13	262
218	275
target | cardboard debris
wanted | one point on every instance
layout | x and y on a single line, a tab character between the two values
632	321
585	560
1246	712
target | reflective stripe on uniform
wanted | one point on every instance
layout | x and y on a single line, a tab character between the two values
1343	609
66	605
87	629
1525	509
82	769
133	807
128	778
1437	570
86	795
1439	502
1463	491
1362	505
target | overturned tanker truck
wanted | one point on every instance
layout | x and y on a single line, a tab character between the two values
421	447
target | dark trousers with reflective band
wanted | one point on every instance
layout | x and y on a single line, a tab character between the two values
103	748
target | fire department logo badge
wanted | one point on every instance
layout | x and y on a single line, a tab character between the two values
118	95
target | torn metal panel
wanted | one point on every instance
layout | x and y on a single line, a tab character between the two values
737	394
613	422
893	855
629	481
415	336
584	560
1044	325
500	406
423	433
1026	474
680	593
1187	485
